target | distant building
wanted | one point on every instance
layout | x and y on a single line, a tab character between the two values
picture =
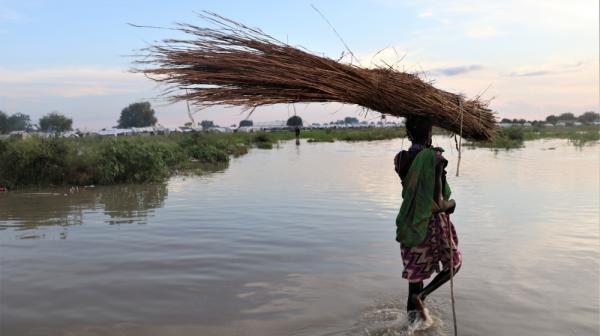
143	130
115	132
218	129
246	129
18	135
270	125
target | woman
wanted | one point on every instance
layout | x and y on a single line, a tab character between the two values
423	221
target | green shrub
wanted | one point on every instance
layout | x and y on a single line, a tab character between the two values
263	141
262	137
130	161
33	161
513	133
208	153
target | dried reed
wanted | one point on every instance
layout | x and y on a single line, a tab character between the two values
233	64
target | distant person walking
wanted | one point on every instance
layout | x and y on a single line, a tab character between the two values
297	131
423	221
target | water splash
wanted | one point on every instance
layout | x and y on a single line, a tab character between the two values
389	318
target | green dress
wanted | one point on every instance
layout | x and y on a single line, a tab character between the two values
417	198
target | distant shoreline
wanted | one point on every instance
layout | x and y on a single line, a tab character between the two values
43	162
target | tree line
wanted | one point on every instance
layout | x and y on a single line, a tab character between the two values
135	115
568	117
141	114
51	122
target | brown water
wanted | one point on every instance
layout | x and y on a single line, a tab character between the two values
300	241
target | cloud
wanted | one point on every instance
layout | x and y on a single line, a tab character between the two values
531	73
486	19
68	82
64	73
455	70
414	61
547	70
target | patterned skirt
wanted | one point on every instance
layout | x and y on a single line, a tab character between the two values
422	260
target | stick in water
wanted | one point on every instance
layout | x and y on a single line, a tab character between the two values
450	243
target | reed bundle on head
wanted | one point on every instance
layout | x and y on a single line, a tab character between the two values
233	64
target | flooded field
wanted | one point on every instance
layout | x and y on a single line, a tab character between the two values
300	241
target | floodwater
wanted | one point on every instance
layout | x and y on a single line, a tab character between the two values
300	241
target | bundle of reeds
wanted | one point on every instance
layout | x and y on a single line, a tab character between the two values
232	64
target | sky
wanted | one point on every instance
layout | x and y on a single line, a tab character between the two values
531	58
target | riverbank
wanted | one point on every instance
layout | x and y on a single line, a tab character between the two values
39	161
101	160
515	137
112	160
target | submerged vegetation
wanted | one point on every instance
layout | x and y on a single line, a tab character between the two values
39	161
515	137
506	138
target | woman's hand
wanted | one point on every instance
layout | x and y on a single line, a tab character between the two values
444	206
451	206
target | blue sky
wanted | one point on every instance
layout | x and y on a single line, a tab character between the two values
534	57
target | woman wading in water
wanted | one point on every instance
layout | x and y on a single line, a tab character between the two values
423	221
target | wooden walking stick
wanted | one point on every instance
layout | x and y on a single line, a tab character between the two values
450	244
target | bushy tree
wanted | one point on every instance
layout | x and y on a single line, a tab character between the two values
246	123
294	121
505	121
350	120
137	115
566	116
55	122
19	122
589	117
207	124
551	119
3	122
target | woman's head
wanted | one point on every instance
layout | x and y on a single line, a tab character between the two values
418	130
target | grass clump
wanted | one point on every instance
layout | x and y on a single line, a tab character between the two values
514	137
263	141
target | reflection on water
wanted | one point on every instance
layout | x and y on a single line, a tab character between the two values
300	240
132	203
68	206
